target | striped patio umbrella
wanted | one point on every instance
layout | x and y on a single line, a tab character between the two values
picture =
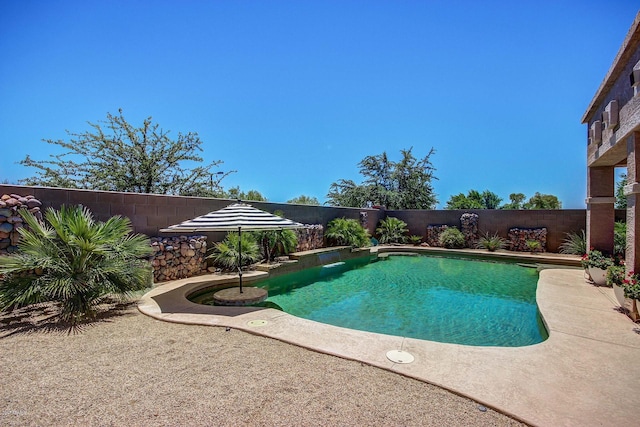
238	216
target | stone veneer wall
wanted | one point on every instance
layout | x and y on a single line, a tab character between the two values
178	257
518	237
11	221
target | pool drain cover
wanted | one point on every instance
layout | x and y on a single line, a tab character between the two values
257	322
399	356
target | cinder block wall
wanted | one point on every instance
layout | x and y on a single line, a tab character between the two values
558	222
151	212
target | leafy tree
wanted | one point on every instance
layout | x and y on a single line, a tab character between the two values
405	184
235	193
490	200
75	262
304	200
392	230
347	232
543	201
517	199
474	200
621	199
117	156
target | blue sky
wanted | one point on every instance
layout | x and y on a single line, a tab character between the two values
293	94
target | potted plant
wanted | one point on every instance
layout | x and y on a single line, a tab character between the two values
631	286
597	263
615	278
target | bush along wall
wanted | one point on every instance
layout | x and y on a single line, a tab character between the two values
518	237
178	257
11	221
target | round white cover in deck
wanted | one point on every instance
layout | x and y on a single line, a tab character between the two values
399	356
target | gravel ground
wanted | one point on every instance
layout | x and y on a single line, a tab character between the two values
129	369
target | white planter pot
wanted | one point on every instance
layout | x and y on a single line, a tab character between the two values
598	275
619	293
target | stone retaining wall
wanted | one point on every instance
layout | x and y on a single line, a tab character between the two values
11	221
310	237
178	257
433	234
518	237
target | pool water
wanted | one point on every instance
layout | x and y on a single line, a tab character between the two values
440	299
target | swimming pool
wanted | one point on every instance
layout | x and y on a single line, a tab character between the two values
440	299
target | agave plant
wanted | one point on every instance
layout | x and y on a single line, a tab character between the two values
347	232
225	254
75	262
574	244
491	243
392	230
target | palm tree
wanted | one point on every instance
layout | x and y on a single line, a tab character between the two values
277	242
225	253
392	230
75	262
347	232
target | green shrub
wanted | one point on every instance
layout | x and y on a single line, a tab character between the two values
451	238
276	243
615	275
620	239
392	230
533	245
574	244
416	240
74	261
491	243
225	254
347	232
631	286
596	259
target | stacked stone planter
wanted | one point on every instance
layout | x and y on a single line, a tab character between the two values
469	228
310	237
11	221
178	257
517	238
433	234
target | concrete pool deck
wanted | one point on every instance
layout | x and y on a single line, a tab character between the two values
586	373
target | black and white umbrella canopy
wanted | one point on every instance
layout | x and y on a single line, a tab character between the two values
234	217
238	216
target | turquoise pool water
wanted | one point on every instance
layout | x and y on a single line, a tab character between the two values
432	298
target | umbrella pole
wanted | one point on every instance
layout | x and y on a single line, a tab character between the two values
240	256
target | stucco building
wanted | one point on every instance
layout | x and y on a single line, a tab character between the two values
613	119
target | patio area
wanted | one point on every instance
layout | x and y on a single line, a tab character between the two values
586	373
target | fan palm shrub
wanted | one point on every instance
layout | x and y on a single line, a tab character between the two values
225	254
392	230
277	243
491	243
347	232
75	262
